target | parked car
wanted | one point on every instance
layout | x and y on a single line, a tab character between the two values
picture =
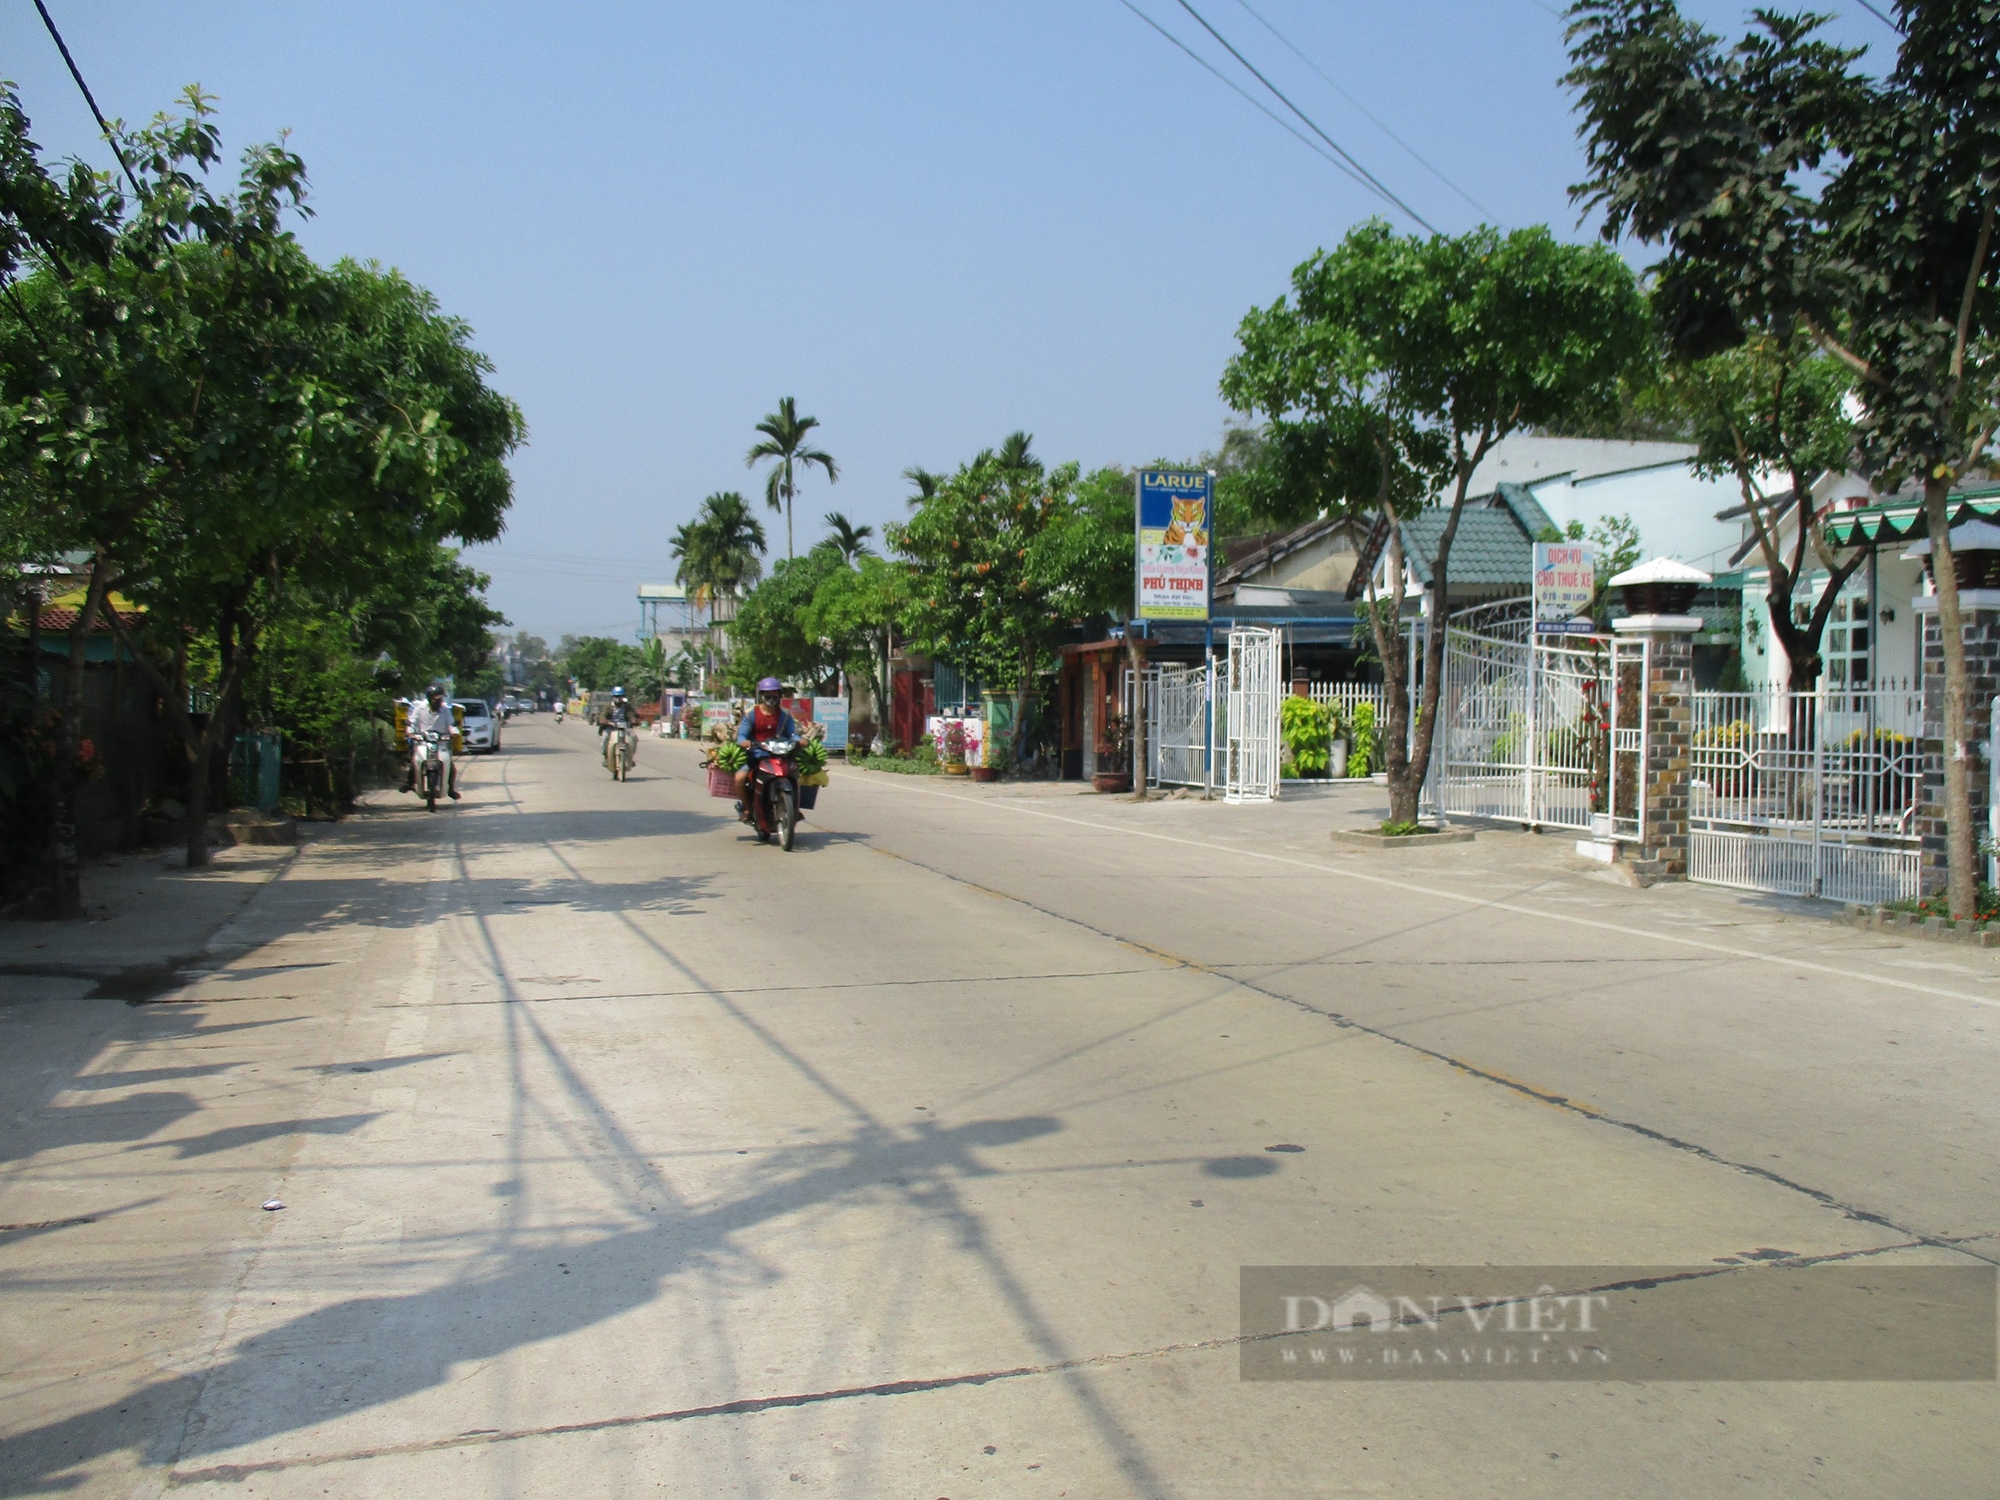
482	729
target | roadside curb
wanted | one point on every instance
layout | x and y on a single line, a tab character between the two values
1938	929
1366	838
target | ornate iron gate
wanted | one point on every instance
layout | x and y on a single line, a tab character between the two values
1545	733
1250	761
1177	726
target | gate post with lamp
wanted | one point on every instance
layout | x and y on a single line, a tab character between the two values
1659	594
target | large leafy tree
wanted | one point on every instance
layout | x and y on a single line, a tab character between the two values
785	439
1789	189
1389	374
133	390
356	431
987	588
770	637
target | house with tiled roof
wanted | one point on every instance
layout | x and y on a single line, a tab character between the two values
1492	553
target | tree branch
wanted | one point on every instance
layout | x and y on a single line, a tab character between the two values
1840	351
1971	288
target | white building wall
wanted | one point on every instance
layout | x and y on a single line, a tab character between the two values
1673	508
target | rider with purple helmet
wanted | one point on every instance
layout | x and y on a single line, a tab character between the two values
767	720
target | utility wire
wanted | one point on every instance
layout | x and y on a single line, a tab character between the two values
77	73
1484	211
1880	16
1257	104
1307	119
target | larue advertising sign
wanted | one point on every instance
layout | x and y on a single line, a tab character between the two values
1176	509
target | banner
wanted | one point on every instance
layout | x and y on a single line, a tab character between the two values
1176	512
1565	583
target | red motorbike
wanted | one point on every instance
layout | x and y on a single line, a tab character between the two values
774	791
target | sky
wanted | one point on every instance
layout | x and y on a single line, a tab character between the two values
932	224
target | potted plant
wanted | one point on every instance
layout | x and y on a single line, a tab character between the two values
952	751
1113	751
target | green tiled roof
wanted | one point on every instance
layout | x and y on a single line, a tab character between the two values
1489	547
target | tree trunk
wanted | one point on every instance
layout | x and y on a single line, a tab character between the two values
1961	871
66	865
197	802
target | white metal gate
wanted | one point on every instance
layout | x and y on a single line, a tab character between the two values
1550	733
1250	760
1808	794
1177	725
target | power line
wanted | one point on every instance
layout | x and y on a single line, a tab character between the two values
1483	210
1878	15
1380	186
1279	120
77	73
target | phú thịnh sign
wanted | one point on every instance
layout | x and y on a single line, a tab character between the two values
1175	514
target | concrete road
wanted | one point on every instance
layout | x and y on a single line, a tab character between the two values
620	1155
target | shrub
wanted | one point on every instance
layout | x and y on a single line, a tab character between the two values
1361	741
1307	730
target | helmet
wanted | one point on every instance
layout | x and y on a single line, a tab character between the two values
770	685
618	692
435	690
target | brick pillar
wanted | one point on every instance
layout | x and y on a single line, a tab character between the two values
1979	610
1669	733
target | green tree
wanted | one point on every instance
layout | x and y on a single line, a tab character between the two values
1793	192
855	611
146	351
1770	410
770	638
923	484
785	433
1392	371
600	664
987	592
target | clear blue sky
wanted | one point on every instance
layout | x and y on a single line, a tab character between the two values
933	224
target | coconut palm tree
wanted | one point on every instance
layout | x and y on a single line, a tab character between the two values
849	540
785	440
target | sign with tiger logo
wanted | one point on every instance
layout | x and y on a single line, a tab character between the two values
1176	512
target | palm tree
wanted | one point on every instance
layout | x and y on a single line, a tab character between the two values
784	439
849	540
926	482
718	551
1014	452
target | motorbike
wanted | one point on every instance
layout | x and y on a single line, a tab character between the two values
774	792
618	751
433	767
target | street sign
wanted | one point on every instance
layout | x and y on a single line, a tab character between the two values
1565	583
1175	516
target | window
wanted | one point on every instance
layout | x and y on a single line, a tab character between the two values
1846	647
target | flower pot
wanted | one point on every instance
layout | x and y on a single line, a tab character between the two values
955	768
1337	759
1112	781
985	773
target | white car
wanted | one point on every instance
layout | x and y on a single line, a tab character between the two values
482	729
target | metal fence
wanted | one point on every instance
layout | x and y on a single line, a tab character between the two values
1808	794
1179	747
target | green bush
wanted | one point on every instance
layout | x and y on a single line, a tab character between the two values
1307	729
1361	740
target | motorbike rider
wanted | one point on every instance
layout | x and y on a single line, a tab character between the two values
765	721
617	715
432	713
